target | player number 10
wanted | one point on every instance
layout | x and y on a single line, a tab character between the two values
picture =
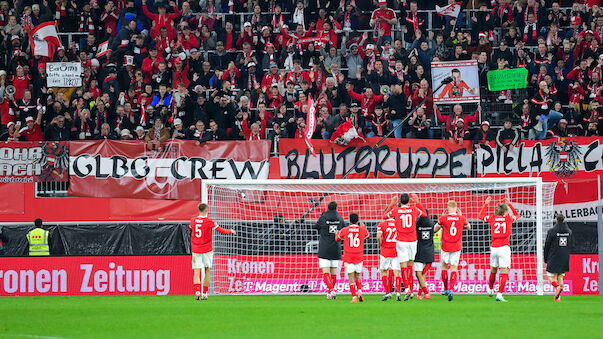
406	220
354	240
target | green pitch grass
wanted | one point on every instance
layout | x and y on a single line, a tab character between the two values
298	316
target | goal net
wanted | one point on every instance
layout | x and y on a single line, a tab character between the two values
275	248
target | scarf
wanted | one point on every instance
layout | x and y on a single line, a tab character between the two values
525	14
526	30
86	23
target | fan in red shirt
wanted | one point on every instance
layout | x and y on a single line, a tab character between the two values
201	247
500	251
383	18
353	252
386	237
452	224
406	237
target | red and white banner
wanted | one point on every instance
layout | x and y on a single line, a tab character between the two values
103	49
465	82
395	158
128	169
44	39
310	124
33	161
261	274
551	159
451	10
150	275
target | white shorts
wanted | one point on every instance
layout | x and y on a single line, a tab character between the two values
554	274
406	250
326	263
450	258
203	260
350	268
500	256
387	263
418	266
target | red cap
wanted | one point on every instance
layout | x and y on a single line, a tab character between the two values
177	60
576	20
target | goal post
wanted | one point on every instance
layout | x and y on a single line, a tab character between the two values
274	251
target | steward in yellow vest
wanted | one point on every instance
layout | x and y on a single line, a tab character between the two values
38	240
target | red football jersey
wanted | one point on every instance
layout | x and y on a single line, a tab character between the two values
406	221
452	233
388	238
500	228
353	243
201	234
387	13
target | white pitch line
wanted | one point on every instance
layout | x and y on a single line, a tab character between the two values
30	336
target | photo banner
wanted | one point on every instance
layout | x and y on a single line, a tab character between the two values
465	85
128	169
33	161
64	74
394	158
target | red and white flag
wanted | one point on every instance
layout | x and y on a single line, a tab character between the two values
44	39
103	49
310	124
345	133
451	10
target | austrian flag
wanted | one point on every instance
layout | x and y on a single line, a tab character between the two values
451	10
44	39
103	49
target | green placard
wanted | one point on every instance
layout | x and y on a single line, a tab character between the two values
507	79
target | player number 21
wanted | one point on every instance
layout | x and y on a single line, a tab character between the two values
354	240
498	225
406	220
198	230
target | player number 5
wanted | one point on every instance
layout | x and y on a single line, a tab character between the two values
198	230
354	240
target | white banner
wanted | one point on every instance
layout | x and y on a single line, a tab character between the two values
64	74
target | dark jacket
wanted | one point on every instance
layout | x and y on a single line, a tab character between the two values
557	248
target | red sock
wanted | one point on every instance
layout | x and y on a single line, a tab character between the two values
492	280
197	287
453	276
425	290
405	277
555	284
353	289
390	280
411	279
205	289
420	292
333	280
398	284
385	280
503	282
359	284
445	279
426	269
327	278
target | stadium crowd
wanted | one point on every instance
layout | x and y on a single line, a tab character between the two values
198	70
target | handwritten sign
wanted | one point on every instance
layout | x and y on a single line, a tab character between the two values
64	74
507	79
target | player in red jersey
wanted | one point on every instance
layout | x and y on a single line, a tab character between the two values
353	252
500	251
388	263
406	237
452	225
201	247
